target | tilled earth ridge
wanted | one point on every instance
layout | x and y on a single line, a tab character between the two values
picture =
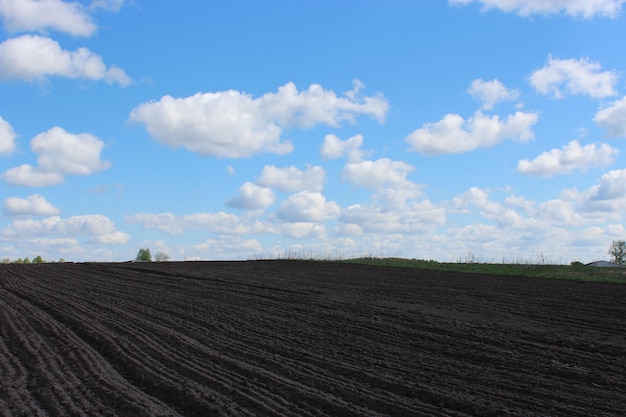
297	338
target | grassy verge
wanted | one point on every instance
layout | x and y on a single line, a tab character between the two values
568	272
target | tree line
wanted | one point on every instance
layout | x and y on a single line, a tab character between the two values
36	260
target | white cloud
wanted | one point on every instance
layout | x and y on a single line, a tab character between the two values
95	226
386	176
7	137
293	179
41	15
504	215
34	205
59	153
318	106
577	8
571	157
333	147
491	92
34	58
220	223
304	230
453	134
613	119
602	203
27	176
376	174
252	197
612	186
113	238
233	124
416	217
571	76
307	206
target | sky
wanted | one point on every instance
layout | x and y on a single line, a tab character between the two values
458	130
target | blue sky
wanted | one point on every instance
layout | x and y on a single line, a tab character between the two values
492	130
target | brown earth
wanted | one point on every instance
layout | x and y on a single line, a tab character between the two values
295	338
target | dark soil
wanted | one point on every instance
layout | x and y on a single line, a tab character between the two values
295	338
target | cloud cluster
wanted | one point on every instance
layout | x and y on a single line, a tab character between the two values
613	119
333	147
453	134
33	205
252	197
576	8
233	124
221	223
491	92
293	179
96	227
59	153
34	58
571	157
44	15
307	207
574	76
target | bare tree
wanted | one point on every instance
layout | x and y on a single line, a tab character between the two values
161	257
617	250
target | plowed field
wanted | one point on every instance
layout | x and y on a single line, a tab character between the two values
295	338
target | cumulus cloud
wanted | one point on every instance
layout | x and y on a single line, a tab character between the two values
504	215
613	119
220	223
97	227
491	92
386	176
292	178
571	157
59	153
453	134
252	197
27	176
612	186
33	205
576	8
601	203
233	124
376	174
417	217
571	76
307	206
303	230
333	147
7	137
34	58
43	15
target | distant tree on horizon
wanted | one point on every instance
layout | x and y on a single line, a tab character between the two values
617	250
144	255
161	257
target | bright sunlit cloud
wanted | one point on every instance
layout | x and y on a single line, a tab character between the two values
35	58
572	157
574	76
233	124
59	153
